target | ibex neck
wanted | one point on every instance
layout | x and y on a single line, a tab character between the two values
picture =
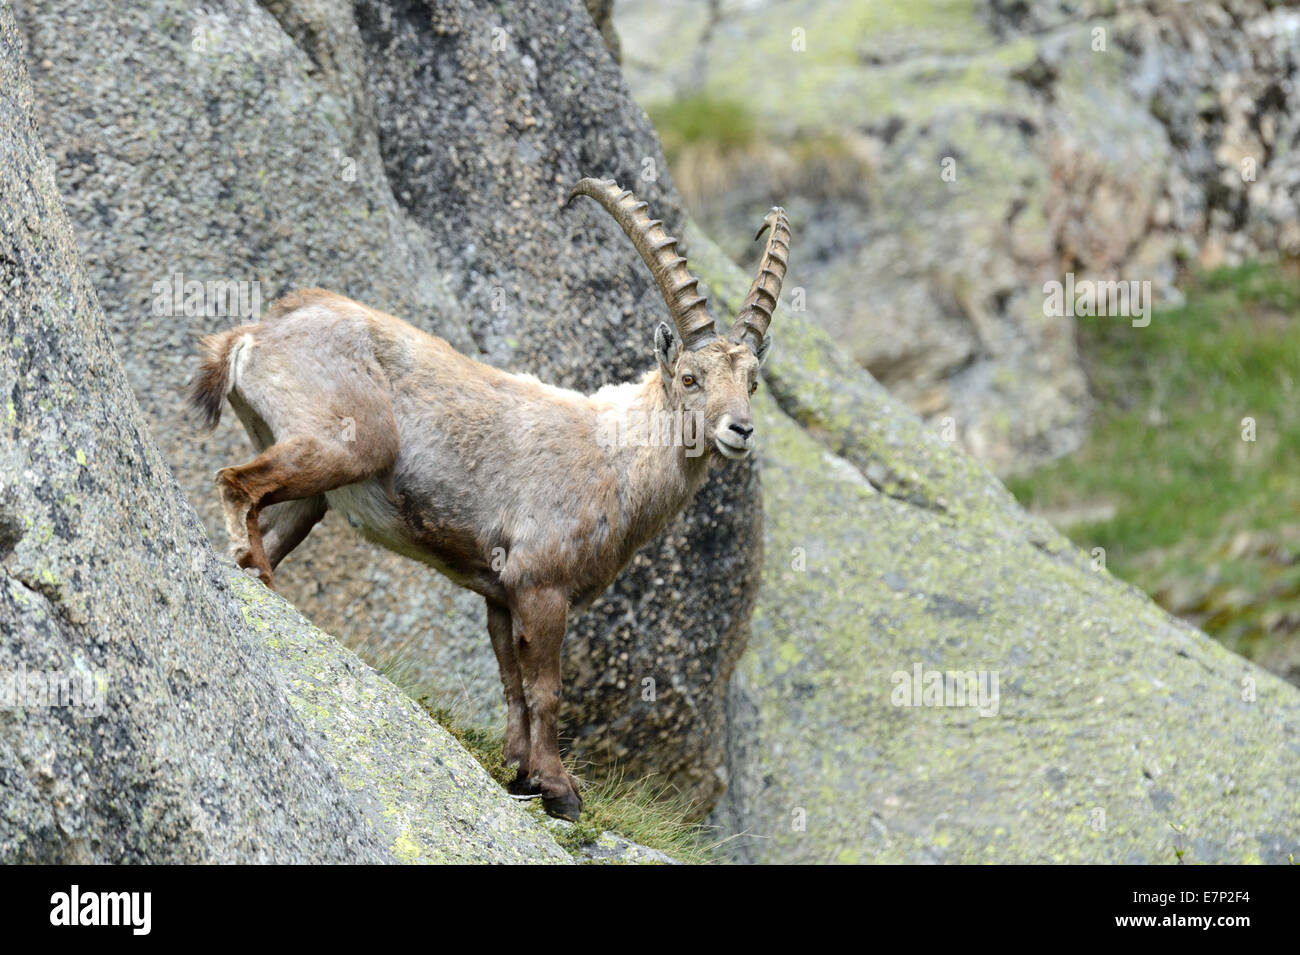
662	458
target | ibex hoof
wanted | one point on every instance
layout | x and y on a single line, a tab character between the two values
523	789
568	806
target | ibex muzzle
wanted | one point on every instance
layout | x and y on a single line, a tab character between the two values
510	487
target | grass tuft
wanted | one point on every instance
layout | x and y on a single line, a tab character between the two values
645	811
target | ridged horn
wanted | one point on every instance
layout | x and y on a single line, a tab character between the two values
658	251
756	313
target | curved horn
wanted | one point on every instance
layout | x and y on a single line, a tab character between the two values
756	314
659	252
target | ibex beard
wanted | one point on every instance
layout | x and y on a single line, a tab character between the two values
504	484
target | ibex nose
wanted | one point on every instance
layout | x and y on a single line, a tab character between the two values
733	437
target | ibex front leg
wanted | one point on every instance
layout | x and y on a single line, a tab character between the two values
540	616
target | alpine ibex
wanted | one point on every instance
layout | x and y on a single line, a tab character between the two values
518	490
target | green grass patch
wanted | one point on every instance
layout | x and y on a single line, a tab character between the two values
726	124
643	811
1185	507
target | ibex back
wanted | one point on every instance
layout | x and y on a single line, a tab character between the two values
533	496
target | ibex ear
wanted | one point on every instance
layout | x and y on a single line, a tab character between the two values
667	348
763	349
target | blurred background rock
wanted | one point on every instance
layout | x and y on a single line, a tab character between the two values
942	160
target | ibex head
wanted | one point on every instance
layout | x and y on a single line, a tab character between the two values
705	376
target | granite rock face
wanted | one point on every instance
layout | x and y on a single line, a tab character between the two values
416	157
942	161
157	705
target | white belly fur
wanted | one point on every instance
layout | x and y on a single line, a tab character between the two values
367	508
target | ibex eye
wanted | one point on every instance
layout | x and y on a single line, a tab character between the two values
753	387
688	381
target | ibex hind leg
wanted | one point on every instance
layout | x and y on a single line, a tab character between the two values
297	468
517	749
